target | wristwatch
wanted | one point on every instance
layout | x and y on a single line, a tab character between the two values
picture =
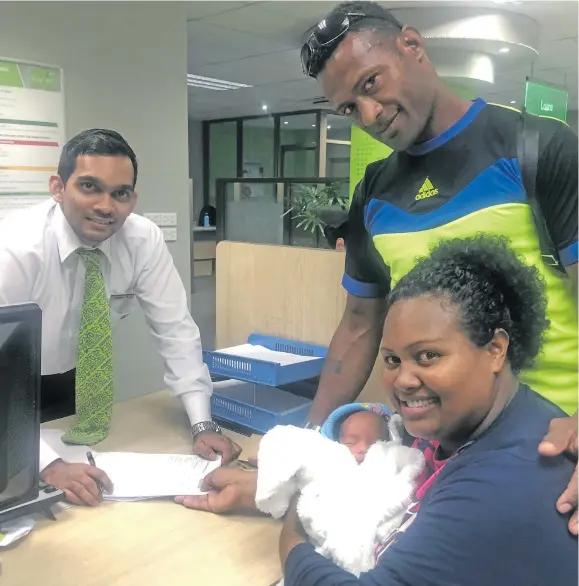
204	426
310	425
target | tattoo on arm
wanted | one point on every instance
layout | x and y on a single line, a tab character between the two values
333	365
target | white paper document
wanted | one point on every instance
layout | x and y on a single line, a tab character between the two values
262	353
142	476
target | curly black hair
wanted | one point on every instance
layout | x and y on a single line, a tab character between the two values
493	289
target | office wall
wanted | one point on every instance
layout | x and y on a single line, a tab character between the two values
124	66
195	129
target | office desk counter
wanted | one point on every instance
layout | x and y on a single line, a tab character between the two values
154	543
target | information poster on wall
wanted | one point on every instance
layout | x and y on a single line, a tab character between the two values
545	100
31	132
363	150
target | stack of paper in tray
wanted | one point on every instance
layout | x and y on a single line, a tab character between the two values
263	353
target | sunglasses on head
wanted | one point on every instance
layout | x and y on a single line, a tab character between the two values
327	34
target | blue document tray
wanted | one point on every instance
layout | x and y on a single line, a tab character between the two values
259	407
268	373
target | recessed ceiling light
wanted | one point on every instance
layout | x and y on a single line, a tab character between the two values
264	107
513	102
285	121
329	127
210	83
313	125
504	50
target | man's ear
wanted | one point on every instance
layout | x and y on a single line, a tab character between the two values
56	187
410	42
497	348
134	200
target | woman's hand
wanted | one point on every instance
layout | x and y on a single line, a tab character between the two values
562	437
292	532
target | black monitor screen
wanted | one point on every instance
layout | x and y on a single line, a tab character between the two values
20	348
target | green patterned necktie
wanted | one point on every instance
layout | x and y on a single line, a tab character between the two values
94	366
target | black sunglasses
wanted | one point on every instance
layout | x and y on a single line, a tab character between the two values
327	34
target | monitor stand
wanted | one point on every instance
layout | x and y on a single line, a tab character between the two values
47	496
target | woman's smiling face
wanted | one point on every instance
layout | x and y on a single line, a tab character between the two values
441	383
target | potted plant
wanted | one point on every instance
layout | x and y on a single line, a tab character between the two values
312	208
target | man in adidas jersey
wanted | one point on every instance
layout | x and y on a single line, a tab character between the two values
453	173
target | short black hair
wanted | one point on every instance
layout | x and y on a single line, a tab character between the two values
94	142
376	18
492	288
384	423
332	233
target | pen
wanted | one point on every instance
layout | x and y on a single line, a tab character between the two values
91	461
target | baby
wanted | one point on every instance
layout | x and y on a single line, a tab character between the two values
361	430
356	465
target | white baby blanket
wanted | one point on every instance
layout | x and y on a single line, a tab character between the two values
346	508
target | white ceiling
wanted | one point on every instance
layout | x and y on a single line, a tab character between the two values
258	43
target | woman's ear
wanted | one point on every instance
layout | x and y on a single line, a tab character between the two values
497	348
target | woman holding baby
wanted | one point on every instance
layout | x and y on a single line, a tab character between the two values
460	327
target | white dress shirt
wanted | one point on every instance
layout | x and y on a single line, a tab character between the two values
38	264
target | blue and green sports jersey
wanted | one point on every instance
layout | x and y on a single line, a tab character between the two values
459	184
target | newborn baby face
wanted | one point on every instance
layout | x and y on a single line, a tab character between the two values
361	430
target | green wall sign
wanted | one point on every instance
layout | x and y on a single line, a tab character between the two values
544	100
363	150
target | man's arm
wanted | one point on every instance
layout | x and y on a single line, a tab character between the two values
562	437
556	190
351	356
557	194
16	276
162	296
354	346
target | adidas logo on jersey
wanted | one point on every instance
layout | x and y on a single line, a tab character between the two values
427	190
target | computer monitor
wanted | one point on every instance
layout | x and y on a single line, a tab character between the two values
20	352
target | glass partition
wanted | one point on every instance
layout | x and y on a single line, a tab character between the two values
339	127
253	212
337	160
258	148
222	154
281	145
298	145
283	211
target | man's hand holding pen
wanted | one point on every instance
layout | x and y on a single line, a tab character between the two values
83	484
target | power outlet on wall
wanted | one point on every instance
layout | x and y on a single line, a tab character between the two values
154	217
170	234
162	218
168	219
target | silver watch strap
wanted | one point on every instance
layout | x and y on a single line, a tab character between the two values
204	426
310	425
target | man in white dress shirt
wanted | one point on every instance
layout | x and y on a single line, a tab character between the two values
46	257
